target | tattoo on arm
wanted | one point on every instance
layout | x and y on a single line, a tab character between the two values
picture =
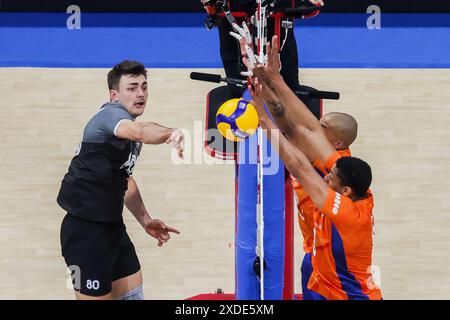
276	108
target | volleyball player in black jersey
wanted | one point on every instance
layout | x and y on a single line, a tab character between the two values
99	182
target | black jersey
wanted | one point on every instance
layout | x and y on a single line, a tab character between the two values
95	184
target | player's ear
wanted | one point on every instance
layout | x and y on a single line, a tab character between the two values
339	144
347	191
113	96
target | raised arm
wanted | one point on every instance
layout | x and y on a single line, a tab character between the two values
273	103
151	133
145	132
304	130
294	159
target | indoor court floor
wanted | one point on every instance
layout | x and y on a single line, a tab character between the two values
404	133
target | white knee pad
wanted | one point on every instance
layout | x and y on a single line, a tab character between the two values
135	294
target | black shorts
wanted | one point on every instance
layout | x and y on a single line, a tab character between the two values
97	254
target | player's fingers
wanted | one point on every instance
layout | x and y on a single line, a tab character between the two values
172	229
273	53
251	85
250	89
274	45
259	72
164	236
256	86
162	225
259	89
162	241
179	146
181	140
269	51
252	92
156	221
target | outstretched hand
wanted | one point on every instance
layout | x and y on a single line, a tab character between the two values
158	230
271	70
177	140
273	64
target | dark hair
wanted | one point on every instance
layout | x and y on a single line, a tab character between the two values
126	67
354	173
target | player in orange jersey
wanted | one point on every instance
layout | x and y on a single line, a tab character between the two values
342	250
341	130
342	245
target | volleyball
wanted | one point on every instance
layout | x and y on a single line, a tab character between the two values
237	119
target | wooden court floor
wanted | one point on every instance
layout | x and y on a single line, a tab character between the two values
404	133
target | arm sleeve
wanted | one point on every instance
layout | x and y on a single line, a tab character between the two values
110	119
340	209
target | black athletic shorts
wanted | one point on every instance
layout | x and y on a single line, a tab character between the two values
97	253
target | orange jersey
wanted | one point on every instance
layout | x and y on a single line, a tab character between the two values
325	168
342	252
306	208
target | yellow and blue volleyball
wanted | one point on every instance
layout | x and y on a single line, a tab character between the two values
237	119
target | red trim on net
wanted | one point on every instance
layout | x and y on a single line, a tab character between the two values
288	288
278	16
